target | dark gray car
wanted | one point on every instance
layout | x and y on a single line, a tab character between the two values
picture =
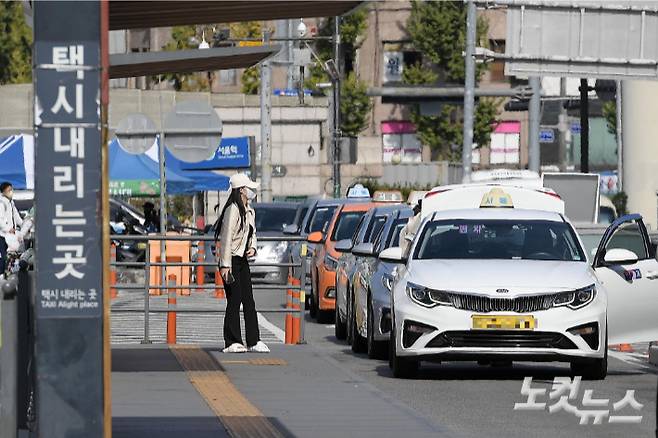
318	213
271	219
370	318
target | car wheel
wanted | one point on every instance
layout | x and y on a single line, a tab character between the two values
340	328
376	349
402	367
313	311
348	320
593	369
325	316
358	343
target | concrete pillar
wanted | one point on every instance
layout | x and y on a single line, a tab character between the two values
640	130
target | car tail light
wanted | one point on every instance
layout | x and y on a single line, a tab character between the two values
435	192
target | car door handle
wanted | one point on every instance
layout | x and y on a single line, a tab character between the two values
652	275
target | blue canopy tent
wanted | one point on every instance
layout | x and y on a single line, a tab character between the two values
17	161
204	180
138	175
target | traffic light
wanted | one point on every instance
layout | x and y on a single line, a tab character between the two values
517	105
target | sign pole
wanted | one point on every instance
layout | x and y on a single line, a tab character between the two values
69	294
584	127
534	110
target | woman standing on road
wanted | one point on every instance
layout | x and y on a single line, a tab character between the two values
236	231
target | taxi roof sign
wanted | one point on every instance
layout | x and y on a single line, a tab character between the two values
358	191
496	198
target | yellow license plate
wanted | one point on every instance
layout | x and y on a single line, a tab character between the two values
141	245
503	322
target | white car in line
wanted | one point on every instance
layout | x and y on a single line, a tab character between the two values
501	282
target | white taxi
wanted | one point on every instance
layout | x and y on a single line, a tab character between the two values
505	281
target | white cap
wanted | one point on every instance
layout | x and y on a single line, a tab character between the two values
242	180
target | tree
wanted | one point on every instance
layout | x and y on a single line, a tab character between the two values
187	37
15	45
354	106
354	103
250	79
438	30
609	110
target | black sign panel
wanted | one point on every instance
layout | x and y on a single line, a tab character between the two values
68	292
68	179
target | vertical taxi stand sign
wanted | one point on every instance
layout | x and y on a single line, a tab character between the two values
68	292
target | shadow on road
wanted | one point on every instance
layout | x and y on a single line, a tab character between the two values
471	371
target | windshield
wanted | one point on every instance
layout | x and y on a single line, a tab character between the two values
394	239
374	228
274	219
499	239
346	224
320	216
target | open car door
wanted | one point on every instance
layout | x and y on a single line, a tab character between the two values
626	266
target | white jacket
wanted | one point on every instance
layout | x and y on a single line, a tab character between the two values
10	219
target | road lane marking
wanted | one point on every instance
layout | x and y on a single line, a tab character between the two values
238	415
276	331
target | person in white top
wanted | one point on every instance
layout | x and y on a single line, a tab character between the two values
236	231
10	222
408	232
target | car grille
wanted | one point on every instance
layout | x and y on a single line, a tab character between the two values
478	303
501	339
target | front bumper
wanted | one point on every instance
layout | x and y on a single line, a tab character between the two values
269	274
448	334
381	309
326	289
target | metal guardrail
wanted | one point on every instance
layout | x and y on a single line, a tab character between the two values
146	287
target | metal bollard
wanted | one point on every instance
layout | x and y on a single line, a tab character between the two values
113	271
296	306
201	258
8	358
288	325
171	315
147	296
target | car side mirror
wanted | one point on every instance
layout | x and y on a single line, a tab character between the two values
620	256
316	237
392	255
344	245
291	229
364	249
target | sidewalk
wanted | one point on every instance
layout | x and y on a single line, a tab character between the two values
296	391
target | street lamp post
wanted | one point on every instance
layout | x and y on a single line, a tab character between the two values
469	91
336	100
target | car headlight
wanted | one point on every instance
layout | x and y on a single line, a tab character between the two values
427	297
330	263
575	299
387	281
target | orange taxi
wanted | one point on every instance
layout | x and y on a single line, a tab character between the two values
325	258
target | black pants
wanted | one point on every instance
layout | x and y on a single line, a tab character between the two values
240	291
3	255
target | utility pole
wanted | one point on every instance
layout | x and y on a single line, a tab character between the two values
563	127
620	148
163	195
584	127
336	96
534	115
469	91
266	126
